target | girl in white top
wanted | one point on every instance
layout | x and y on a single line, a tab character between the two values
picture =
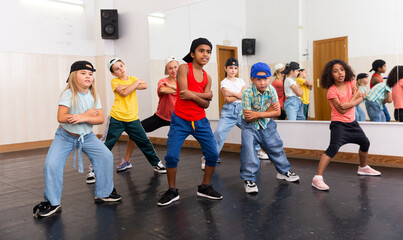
293	104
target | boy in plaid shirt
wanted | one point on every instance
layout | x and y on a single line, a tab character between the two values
260	104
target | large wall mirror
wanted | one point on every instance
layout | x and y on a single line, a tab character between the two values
284	31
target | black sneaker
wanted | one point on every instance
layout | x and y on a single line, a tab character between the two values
44	209
169	197
208	192
114	197
90	178
160	168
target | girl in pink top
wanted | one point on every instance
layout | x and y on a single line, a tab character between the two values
395	81
343	96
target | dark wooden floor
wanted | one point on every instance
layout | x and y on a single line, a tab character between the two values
355	208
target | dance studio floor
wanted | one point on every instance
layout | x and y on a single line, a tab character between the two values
355	208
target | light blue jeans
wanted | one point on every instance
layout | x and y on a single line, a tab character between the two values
270	141
374	111
293	108
63	144
229	118
359	114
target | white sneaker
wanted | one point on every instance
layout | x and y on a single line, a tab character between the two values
160	168
250	187
289	176
262	155
203	163
90	178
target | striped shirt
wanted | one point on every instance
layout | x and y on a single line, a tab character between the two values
378	93
256	101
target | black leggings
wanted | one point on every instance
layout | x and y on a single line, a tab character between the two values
342	133
399	114
154	122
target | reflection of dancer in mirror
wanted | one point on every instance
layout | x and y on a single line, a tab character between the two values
124	115
189	118
293	103
395	81
260	105
375	101
343	96
279	86
79	109
305	86
362	81
379	66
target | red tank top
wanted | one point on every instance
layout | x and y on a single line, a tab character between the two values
188	109
374	75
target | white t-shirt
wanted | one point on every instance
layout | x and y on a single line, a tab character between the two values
288	82
233	86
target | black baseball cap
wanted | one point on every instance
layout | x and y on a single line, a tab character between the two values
81	65
232	62
362	75
197	42
290	66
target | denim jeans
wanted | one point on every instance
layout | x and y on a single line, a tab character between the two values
180	129
374	111
359	114
270	141
63	144
293	108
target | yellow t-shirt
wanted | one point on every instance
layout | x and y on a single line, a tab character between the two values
305	94
124	109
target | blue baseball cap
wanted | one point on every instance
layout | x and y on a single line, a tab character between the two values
260	67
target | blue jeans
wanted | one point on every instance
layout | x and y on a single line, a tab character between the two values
63	144
270	141
293	108
180	129
375	112
359	114
386	112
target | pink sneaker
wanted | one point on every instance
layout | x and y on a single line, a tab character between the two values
368	171
318	183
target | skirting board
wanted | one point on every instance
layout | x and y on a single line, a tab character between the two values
344	157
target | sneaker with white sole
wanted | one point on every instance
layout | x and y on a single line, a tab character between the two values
368	171
250	187
319	183
169	197
203	163
160	168
208	192
113	197
262	155
123	165
44	209
90	177
289	176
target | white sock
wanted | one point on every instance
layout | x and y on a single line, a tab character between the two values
317	177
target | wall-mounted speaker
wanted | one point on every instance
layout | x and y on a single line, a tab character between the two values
109	24
248	46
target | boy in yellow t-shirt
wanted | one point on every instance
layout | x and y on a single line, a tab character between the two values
123	116
305	85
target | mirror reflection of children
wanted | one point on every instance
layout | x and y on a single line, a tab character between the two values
278	84
260	104
79	109
362	82
379	67
189	118
395	81
375	101
305	85
293	103
338	78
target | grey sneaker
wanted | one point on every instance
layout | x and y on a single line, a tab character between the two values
289	176
90	178
250	187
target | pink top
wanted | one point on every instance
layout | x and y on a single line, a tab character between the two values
343	97
397	94
278	85
166	103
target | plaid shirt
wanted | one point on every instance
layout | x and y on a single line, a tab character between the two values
253	100
378	93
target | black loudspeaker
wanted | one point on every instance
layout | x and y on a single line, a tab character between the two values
109	24
248	46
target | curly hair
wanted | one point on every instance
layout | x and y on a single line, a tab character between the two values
326	80
395	75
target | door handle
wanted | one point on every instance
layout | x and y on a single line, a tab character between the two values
317	82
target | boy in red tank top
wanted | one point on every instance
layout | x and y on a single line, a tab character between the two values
189	118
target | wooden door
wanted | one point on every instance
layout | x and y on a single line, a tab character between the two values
324	51
223	53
